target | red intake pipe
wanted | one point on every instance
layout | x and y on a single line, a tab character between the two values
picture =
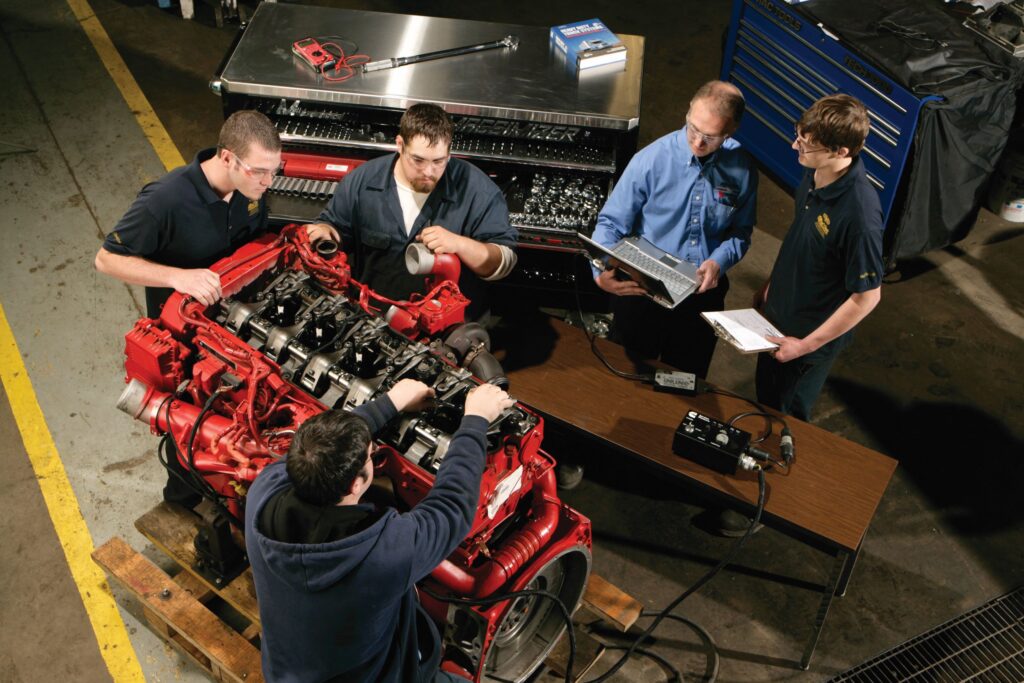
522	546
421	261
147	405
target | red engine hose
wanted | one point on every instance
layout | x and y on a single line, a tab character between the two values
517	550
419	260
148	405
446	267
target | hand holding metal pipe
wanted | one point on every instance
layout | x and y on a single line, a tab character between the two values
508	41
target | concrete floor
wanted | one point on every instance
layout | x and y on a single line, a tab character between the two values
933	379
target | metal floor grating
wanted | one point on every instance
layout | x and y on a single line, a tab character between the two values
986	645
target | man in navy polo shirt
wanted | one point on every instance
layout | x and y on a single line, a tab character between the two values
693	193
195	215
828	274
422	194
192	217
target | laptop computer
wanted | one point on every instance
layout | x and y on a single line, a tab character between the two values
666	279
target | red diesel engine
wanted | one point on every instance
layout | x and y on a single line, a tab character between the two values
295	335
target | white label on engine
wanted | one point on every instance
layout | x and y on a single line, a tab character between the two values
337	167
506	487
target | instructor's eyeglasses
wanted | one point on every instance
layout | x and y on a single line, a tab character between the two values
255	172
707	139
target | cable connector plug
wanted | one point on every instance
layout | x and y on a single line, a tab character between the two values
758	453
786	446
745	462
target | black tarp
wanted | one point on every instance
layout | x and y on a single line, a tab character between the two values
959	139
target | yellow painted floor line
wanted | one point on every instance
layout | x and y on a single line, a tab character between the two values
111	634
74	536
151	126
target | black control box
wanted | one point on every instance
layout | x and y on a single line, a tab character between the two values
710	443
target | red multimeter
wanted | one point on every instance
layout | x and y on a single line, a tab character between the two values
311	52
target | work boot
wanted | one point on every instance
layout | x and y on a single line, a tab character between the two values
568	475
177	492
732	524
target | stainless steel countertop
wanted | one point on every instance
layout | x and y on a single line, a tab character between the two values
530	83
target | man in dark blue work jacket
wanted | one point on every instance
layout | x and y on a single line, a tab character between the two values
336	578
422	194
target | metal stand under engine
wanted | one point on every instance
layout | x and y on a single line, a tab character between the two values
295	335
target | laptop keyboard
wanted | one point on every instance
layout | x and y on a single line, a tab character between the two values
676	282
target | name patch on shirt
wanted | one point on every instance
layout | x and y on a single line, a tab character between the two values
254	208
822	223
726	195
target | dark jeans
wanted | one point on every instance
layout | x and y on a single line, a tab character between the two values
792	387
679	337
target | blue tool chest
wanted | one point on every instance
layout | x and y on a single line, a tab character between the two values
783	61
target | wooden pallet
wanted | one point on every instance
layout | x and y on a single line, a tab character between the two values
176	612
602	601
179	609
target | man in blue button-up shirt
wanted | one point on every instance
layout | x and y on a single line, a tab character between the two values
692	193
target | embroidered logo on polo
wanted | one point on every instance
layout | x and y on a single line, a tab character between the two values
822	223
868	274
254	208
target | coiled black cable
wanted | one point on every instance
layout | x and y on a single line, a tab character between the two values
725	561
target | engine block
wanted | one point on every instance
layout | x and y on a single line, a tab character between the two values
294	335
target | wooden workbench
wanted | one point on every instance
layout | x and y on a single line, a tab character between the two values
827	498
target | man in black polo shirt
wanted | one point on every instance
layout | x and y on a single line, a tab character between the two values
422	194
195	215
192	217
828	274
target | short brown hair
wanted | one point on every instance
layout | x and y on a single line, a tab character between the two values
327	453
836	121
428	120
724	99
245	127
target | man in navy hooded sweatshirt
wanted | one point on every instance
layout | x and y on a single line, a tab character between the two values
335	579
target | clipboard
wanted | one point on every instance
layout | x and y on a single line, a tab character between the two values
744	328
